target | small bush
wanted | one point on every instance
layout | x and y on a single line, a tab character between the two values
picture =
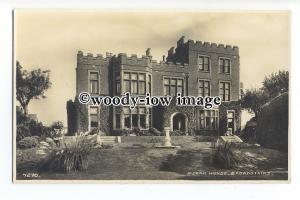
177	133
123	132
155	132
46	132
36	128
71	158
57	125
94	131
22	131
28	142
136	131
224	156
248	134
50	141
37	137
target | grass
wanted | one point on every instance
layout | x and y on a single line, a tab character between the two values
143	162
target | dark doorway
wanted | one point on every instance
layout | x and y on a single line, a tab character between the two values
179	122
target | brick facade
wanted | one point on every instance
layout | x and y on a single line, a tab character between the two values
186	68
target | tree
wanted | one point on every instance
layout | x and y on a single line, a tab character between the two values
273	85
253	100
276	83
57	125
31	85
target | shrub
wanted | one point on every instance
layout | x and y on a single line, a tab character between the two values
123	132
145	133
137	131
20	117
36	128
71	158
37	137
94	131
47	132
28	127
154	131
177	133
57	125
22	131
249	132
224	156
50	141
28	142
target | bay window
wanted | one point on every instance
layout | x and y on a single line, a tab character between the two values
138	117
135	83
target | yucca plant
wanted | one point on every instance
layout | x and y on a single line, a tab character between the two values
71	158
224	156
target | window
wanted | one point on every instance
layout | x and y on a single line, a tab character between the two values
94	122
204	88
142	113
224	91
224	65
230	121
172	86
208	119
149	84
142	84
117	83
204	63
133	118
135	83
127	118
94	83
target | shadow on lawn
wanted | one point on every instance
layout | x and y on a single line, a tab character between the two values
186	160
198	165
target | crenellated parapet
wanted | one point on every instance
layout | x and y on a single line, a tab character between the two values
170	66
212	47
92	59
134	60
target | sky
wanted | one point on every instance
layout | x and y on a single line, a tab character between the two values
50	39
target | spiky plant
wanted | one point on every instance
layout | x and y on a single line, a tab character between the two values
71	158
224	156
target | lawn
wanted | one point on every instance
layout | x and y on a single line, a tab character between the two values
129	161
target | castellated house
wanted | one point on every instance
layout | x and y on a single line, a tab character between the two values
193	68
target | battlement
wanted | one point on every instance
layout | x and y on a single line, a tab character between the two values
205	46
178	56
97	57
134	59
222	48
169	66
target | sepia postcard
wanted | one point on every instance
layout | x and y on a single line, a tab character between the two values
142	96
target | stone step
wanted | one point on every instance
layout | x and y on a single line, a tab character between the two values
232	138
109	139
